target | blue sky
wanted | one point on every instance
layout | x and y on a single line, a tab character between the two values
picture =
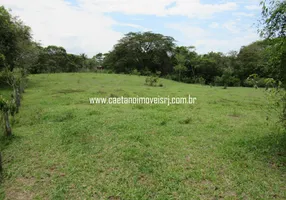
92	26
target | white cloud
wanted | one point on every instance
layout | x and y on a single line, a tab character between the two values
253	7
205	40
56	22
134	26
188	30
225	45
194	9
85	28
231	26
244	14
214	25
189	8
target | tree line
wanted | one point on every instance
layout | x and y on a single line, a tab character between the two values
148	53
142	54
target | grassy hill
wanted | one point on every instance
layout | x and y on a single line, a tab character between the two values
222	147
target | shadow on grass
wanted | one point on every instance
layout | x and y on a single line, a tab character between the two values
6	141
32	83
270	149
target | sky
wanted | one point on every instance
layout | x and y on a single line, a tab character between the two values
93	26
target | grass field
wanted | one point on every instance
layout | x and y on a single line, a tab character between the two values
222	147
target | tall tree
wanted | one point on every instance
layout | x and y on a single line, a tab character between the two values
15	38
141	51
180	67
273	25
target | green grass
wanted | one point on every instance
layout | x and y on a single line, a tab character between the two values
222	147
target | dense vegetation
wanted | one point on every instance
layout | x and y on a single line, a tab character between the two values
147	53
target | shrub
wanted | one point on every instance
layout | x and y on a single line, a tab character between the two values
200	80
269	83
146	72
234	81
261	82
135	72
231	81
168	76
187	80
248	83
152	81
277	102
218	81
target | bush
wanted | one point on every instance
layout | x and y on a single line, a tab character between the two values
277	102
260	82
200	80
218	81
153	81
187	80
168	76
248	83
135	72
234	81
146	72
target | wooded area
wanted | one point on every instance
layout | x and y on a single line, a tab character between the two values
150	53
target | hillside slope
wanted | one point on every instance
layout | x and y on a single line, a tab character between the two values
65	148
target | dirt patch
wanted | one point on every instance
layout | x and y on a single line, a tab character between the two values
67	91
19	191
234	116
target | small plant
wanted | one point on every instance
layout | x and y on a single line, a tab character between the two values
152	81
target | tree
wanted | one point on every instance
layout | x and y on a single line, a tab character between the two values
190	60
210	65
99	58
273	25
51	59
254	59
142	51
180	67
15	37
226	76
